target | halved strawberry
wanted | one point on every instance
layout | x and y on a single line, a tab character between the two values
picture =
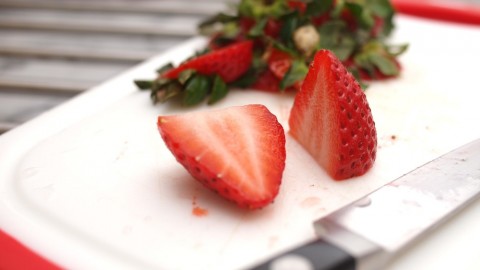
332	120
229	62
238	152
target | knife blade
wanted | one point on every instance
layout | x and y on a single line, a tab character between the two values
371	231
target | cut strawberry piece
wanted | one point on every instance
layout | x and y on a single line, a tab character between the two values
297	5
378	25
348	17
278	62
238	152
321	19
229	62
272	28
246	24
332	120
267	81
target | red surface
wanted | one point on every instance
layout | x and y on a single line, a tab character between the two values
445	10
14	255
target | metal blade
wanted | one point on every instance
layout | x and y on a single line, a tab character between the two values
387	220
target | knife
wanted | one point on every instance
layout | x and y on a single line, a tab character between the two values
369	232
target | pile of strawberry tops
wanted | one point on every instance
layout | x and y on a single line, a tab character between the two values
268	44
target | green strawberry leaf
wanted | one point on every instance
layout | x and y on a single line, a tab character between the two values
230	30
397	50
334	36
387	26
185	75
222	41
344	48
143	84
218	18
283	48
257	29
166	91
362	60
297	72
382	8
196	89
164	68
257	9
219	90
318	7
361	14
290	24
212	24
337	8
385	64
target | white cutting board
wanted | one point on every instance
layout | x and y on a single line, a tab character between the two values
91	185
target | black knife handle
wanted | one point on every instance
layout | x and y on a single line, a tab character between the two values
316	255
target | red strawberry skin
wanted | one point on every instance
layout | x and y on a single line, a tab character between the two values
267	81
332	120
297	5
238	152
229	62
279	62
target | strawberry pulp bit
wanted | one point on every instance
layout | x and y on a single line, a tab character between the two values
197	210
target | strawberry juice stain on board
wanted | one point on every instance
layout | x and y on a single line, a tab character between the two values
197	210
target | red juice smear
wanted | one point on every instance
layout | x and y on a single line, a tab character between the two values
196	210
199	212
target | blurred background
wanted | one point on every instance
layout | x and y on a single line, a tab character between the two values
52	50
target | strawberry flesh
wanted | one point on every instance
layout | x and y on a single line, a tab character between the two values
229	62
238	152
279	62
332	120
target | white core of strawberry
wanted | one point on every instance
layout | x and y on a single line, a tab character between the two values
318	105
226	136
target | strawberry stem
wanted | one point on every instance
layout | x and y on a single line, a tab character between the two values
355	31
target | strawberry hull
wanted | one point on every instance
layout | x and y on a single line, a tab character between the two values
229	62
